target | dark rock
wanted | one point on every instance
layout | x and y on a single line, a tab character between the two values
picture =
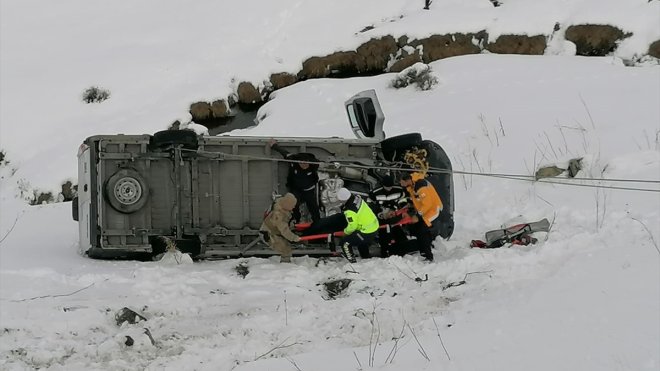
176	125
247	93
151	338
282	79
654	49
482	38
595	40
129	341
336	287
367	28
201	111
518	44
402	41
41	198
445	46
574	166
232	99
68	191
127	315
242	270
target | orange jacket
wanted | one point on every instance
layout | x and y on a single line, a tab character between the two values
425	198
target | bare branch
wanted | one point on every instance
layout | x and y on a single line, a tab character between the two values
294	364
441	342
358	361
649	232
375	325
58	295
11	228
463	281
474	154
502	127
395	347
286	311
421	348
593	124
279	346
550	144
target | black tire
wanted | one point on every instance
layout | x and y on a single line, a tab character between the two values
162	139
95	253
446	227
126	191
393	147
444	185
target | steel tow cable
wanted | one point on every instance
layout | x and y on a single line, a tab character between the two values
520	177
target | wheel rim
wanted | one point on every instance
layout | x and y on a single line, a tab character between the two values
127	191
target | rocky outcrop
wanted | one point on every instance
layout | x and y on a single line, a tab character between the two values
390	54
595	40
445	46
337	64
369	58
375	54
518	44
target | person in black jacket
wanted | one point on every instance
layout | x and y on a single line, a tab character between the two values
386	200
301	180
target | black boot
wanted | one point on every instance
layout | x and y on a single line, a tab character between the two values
347	252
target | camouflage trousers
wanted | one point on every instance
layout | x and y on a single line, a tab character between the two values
281	245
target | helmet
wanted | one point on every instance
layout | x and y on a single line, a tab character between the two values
343	194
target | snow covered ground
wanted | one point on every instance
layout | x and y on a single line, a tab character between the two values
587	298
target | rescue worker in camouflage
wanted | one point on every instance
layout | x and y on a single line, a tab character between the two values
275	228
362	225
428	207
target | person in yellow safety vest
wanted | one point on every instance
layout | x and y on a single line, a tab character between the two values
428	206
362	225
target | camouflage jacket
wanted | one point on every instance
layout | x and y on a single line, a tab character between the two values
277	223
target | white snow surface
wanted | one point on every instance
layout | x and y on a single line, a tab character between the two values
586	297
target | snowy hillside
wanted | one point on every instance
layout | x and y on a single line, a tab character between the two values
586	297
157	57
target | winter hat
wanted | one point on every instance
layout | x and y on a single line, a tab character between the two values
388	181
287	202
343	194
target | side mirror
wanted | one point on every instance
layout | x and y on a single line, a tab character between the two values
365	115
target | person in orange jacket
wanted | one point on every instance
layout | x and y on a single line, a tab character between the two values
428	207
